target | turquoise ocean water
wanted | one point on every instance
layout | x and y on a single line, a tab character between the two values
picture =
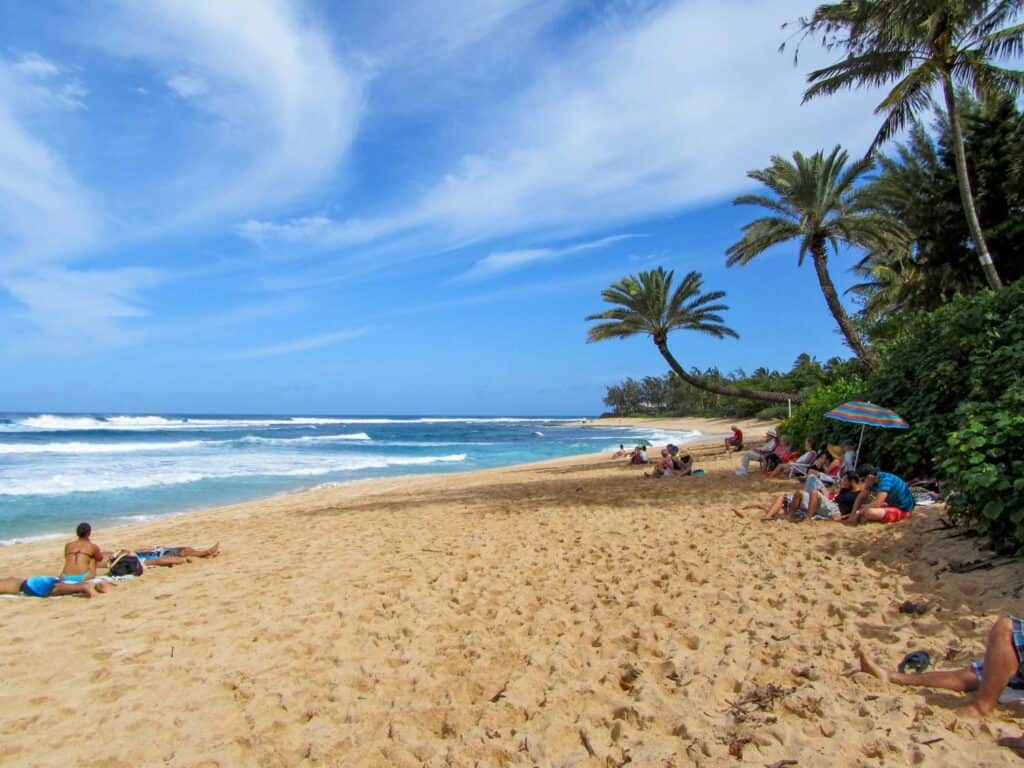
59	469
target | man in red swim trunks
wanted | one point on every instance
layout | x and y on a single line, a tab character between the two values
884	498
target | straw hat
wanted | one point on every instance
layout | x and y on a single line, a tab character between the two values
835	451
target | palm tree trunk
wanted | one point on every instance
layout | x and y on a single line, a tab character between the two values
702	383
853	338
966	195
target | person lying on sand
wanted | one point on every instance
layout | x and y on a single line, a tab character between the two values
622	452
170	556
884	498
81	557
1002	667
47	586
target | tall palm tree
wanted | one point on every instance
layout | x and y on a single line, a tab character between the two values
816	200
647	304
920	44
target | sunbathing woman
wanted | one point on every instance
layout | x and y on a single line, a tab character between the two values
47	586
1003	667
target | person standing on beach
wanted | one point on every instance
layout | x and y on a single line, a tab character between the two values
1002	667
81	557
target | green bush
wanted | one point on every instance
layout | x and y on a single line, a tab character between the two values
970	350
956	375
808	421
984	462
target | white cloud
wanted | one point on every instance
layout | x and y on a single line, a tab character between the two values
285	108
187	86
505	261
35	66
300	345
641	118
46	214
76	309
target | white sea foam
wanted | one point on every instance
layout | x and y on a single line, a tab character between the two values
78	447
49	422
29	539
150	472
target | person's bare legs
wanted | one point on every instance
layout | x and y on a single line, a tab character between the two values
812	506
777	508
67	588
10	586
1001	664
959	680
167	561
208	552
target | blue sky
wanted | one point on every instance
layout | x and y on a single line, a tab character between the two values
297	206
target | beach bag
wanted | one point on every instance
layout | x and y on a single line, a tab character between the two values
126	565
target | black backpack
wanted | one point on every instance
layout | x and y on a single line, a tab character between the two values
126	565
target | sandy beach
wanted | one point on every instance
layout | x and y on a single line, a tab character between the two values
568	613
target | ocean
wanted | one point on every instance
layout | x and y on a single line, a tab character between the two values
57	470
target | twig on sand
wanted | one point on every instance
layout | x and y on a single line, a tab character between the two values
781	763
936	740
737	512
435	551
586	743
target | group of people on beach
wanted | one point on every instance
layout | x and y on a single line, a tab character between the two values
834	486
83	559
672	462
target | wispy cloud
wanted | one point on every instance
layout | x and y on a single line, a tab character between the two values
285	107
188	86
77	310
506	261
300	345
34	65
644	115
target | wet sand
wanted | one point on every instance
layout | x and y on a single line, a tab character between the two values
568	613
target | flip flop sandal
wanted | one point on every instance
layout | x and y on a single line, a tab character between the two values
918	661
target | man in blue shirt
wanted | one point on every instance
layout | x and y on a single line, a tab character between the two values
885	498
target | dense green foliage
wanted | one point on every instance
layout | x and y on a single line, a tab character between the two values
808	421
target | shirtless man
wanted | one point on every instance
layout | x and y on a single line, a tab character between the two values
47	586
81	557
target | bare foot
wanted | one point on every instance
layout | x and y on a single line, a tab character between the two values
102	586
86	592
970	712
867	664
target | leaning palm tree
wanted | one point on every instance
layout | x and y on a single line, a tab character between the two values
816	201
647	304
918	45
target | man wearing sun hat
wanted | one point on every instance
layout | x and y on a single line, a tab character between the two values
759	454
885	498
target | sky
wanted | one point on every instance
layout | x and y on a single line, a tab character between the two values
301	206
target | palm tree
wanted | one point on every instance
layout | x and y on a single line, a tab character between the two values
647	304
817	202
918	44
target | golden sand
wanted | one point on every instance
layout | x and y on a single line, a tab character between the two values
568	613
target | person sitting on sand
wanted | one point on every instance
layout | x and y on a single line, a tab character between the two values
81	557
802	463
816	504
735	441
884	498
1002	667
683	465
621	453
639	455
663	468
759	454
47	586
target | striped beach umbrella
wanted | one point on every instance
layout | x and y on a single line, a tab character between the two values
867	415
